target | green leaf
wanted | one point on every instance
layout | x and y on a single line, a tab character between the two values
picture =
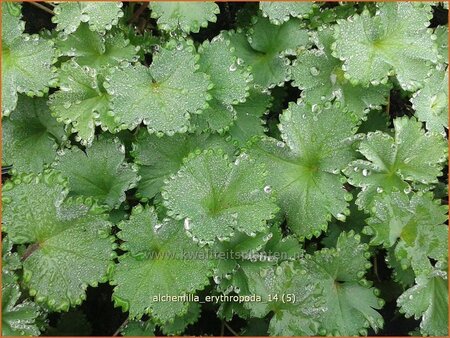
160	157
96	50
82	102
266	47
441	33
18	316
10	260
249	117
279	12
293	316
350	306
188	17
162	96
158	253
428	300
230	82
304	170
431	102
180	323
26	61
395	42
320	77
99	16
139	328
100	172
416	226
217	197
69	244
31	136
392	163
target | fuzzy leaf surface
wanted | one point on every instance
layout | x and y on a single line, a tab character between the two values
392	163
219	197
395	42
69	244
304	170
106	157
164	95
31	136
188	17
155	265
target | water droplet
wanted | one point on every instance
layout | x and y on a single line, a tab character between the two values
232	68
217	279
314	71
267	189
365	172
379	190
187	224
158	226
341	217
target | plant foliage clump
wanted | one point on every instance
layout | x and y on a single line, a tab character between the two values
273	168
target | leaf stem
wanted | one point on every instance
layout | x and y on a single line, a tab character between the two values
230	329
125	322
44	8
32	248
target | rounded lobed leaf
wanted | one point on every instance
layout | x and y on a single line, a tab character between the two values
217	197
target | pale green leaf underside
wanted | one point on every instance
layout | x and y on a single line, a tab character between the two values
155	266
304	169
100	172
160	157
189	17
428	300
218	197
394	41
412	156
99	15
279	12
162	96
30	136
69	243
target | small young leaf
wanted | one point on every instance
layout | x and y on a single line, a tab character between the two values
100	171
82	101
